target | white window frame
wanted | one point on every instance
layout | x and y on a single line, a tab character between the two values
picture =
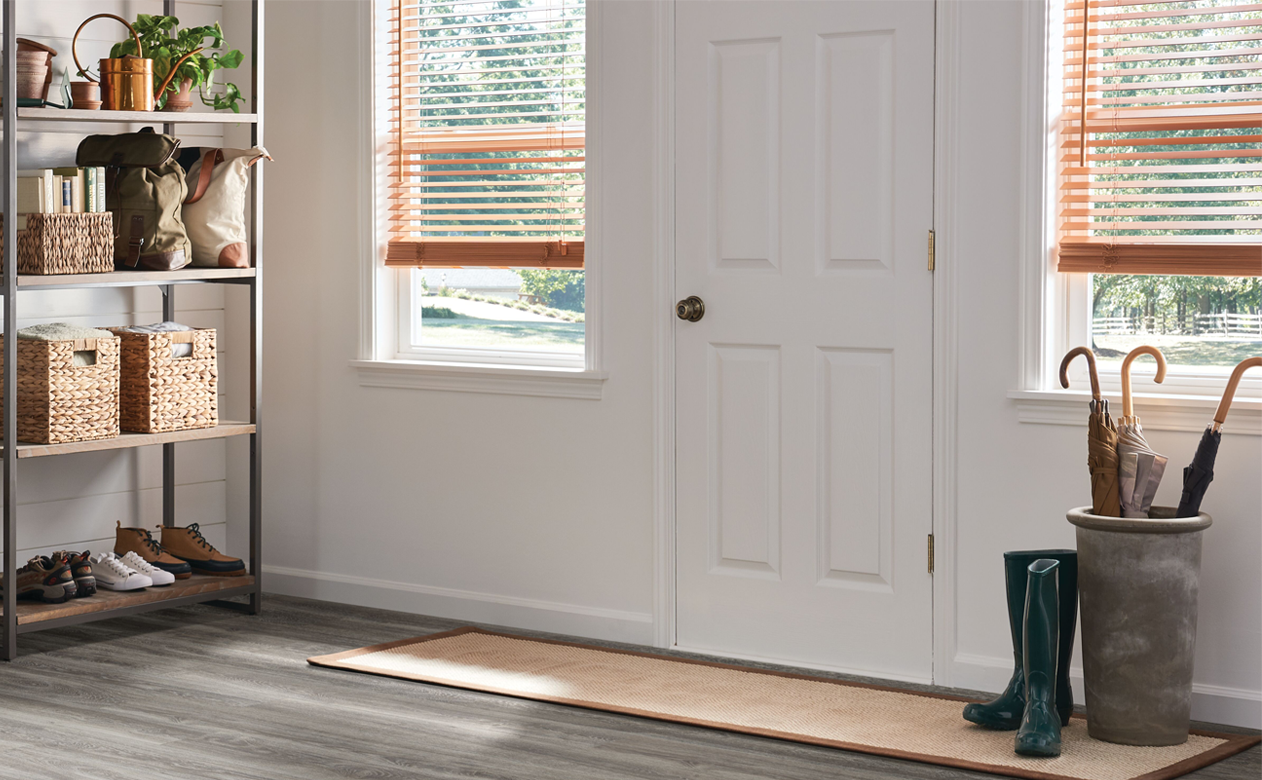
1055	307
389	355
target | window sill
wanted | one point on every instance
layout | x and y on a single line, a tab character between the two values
470	378
1191	413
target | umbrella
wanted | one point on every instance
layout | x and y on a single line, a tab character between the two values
1139	467
1200	472
1101	441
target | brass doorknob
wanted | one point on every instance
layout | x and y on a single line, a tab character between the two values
691	308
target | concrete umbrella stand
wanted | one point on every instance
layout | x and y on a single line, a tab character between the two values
1138	581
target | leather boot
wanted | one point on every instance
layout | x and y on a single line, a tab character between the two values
189	545
1005	712
1039	734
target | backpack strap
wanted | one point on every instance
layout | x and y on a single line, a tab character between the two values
210	159
135	240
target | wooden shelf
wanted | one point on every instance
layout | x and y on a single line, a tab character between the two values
134	117
100	605
126	440
134	278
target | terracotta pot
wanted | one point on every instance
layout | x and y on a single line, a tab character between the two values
32	82
182	100
85	94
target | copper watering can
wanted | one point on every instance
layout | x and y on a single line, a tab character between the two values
126	82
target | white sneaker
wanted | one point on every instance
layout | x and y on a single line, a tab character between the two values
134	562
112	574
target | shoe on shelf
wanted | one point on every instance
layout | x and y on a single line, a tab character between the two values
81	568
189	545
141	542
43	580
134	562
112	574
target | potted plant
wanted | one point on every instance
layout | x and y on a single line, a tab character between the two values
162	41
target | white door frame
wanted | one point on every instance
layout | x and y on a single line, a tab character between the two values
945	352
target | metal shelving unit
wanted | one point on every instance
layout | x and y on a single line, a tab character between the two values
20	619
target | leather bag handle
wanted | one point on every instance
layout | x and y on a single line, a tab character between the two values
210	159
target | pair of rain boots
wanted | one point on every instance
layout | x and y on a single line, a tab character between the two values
181	551
1042	590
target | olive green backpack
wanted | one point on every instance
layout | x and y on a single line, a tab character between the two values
145	190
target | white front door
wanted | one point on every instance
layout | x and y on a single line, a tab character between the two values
804	192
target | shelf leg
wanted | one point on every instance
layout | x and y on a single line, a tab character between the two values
8	204
168	450
256	314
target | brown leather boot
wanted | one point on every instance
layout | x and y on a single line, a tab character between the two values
189	544
141	542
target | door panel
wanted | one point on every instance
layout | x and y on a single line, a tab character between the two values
804	158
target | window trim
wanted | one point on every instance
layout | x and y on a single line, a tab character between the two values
384	357
1055	312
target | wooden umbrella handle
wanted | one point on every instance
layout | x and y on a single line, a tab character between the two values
1064	369
1127	407
1220	416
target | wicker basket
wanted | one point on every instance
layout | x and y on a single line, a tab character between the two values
162	393
60	402
66	244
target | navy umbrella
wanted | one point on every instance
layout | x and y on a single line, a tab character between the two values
1200	472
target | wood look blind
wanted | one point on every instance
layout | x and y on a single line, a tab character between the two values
487	116
1168	97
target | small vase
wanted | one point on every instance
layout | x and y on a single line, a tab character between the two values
182	100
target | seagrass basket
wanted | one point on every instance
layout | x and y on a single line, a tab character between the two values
60	402
66	244
159	392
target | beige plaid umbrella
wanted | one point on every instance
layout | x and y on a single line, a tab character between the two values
1101	441
1139	467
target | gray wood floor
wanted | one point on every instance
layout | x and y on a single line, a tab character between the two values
209	693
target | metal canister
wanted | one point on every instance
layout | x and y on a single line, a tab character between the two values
127	84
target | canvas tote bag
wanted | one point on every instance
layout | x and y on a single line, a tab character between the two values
214	213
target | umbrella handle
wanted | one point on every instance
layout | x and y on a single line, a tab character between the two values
1220	416
1128	409
1064	369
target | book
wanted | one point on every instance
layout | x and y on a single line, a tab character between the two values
50	194
100	189
73	179
31	195
89	190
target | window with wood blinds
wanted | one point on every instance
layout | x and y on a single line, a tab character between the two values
488	117
1161	139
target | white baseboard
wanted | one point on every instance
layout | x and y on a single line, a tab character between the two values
591	622
1210	703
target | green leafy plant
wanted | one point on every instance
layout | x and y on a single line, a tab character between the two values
162	41
437	313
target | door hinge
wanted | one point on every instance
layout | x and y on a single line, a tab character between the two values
931	553
930	250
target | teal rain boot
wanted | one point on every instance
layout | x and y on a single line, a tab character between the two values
1039	734
1004	713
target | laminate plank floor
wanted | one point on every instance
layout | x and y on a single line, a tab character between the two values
204	692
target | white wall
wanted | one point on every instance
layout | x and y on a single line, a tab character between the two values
416	500
527	511
73	502
1016	480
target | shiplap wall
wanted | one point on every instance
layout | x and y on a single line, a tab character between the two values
74	501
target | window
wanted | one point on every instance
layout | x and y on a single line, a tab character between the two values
1159	176
486	198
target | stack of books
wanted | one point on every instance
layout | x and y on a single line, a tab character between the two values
60	191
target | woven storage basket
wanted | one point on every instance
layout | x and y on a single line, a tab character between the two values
60	402
160	393
66	244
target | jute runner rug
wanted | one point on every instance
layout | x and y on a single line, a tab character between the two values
851	716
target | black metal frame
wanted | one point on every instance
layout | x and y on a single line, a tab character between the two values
8	206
